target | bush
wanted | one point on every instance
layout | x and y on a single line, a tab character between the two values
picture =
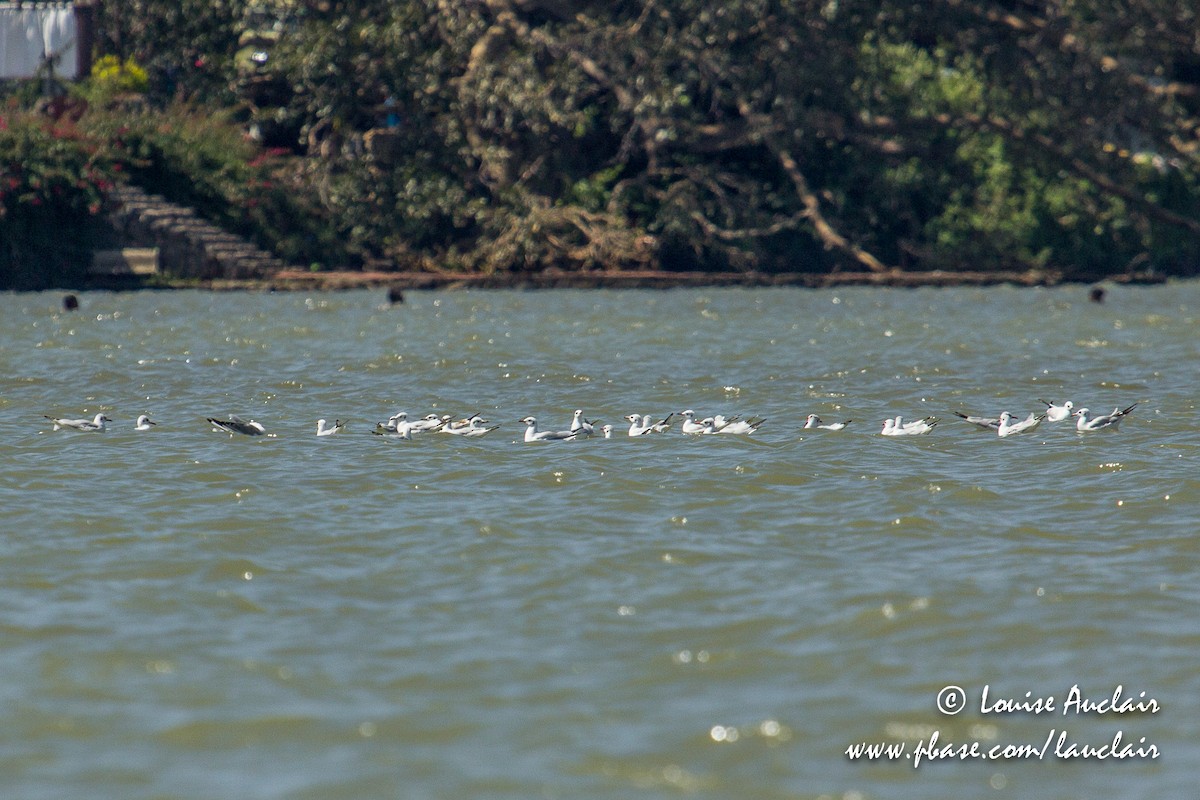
53	185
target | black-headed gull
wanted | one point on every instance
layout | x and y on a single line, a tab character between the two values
691	426
579	423
722	424
642	424
392	422
895	426
1008	425
475	427
987	423
429	422
607	431
325	429
1057	413
236	424
532	434
1112	420
814	421
144	423
93	425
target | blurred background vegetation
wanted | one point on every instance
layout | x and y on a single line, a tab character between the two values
718	135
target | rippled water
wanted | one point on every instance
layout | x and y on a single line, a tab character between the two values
189	615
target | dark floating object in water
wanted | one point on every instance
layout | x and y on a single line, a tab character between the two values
236	424
70	303
395	296
1096	295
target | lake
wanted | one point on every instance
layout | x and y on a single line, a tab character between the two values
790	614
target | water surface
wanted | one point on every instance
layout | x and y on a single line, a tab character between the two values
188	615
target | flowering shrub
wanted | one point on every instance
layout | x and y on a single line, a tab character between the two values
53	185
111	74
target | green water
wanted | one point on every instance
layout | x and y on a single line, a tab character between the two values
188	615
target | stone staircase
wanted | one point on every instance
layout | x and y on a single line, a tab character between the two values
188	246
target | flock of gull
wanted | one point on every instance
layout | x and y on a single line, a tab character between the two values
398	426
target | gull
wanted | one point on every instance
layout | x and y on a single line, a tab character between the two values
662	426
1057	413
735	425
463	425
236	424
94	425
429	422
1008	426
607	431
642	424
402	430
144	423
579	423
690	426
987	423
1112	420
393	421
636	425
896	427
533	435
814	421
323	428
917	426
475	427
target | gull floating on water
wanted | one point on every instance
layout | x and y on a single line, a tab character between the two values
1008	425
579	423
691	426
144	423
607	431
392	422
642	424
1057	413
987	423
94	425
814	421
236	424
897	427
735	425
1112	420
532	434
474	427
323	428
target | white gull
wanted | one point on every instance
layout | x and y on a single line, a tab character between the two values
324	429
94	425
1112	420
1057	413
814	421
1008	425
532	434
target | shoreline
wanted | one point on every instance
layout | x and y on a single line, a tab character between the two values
332	281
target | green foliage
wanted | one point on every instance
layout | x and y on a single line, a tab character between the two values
744	134
203	160
53	183
112	75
